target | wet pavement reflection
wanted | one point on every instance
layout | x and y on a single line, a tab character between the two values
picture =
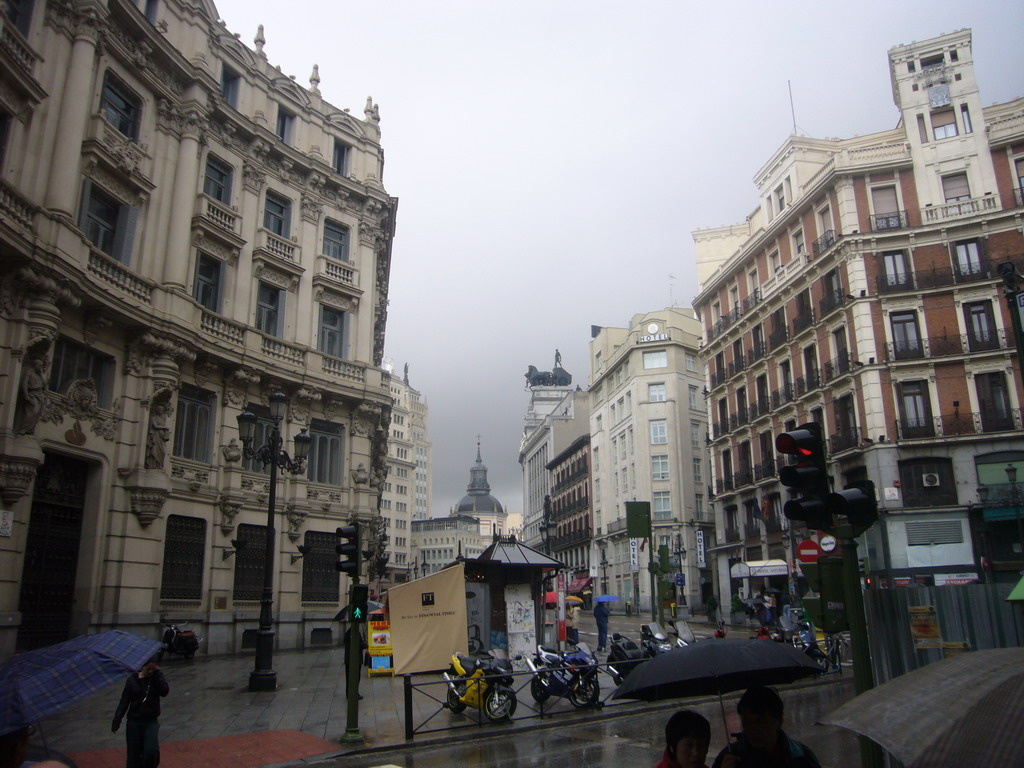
631	740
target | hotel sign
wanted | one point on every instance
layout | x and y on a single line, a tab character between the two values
654	337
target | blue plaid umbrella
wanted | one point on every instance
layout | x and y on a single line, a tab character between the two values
40	683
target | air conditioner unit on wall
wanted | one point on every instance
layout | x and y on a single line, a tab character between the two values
930	479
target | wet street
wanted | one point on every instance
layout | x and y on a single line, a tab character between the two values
636	739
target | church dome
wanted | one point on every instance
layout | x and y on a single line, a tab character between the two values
478	499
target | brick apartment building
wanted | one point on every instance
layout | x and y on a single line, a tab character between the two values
863	293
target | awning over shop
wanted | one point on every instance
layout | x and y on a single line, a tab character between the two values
755	568
578	585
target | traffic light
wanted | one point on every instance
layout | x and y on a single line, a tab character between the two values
348	550
809	475
858	503
358	607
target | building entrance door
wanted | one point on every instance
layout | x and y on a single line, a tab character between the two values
51	553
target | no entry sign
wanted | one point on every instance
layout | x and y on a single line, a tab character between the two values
808	551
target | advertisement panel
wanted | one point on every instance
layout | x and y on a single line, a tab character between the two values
428	621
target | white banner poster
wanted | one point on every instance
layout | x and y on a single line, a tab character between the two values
521	619
428	620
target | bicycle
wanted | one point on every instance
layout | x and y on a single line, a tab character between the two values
836	646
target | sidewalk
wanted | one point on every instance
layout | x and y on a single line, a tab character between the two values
211	718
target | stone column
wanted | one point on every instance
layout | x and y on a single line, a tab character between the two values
178	256
65	179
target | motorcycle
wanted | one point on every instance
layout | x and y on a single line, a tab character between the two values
653	640
571	673
482	682
623	656
806	641
183	642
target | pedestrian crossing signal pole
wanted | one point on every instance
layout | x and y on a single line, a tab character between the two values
347	549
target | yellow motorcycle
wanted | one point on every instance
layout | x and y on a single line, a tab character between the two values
483	682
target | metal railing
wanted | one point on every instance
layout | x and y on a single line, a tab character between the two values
836	367
803	321
823	243
778	337
831	301
755	353
751	301
844	440
882	222
782	395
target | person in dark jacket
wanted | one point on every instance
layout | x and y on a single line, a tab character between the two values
763	743
687	737
601	614
140	701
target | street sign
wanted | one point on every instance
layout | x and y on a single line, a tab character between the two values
808	551
680	579
1020	307
828	543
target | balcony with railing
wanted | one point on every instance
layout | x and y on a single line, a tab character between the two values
985	340
725	322
959	209
777	338
844	439
736	366
718	378
767	469
1018	196
738	419
936	277
959	423
823	243
782	395
278	247
772	523
915	428
803	321
832	300
751	301
885	222
731	534
757	352
937	346
836	367
807	383
742	478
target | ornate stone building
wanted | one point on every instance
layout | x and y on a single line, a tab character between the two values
184	231
863	293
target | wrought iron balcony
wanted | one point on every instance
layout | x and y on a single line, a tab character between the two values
844	439
1018	196
731	534
782	395
773	523
756	353
894	283
718	378
832	300
915	428
823	243
985	340
765	470
836	367
751	301
804	384
938	346
742	478
777	338
883	222
736	366
803	321
989	419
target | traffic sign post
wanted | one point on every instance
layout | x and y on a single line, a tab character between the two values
808	551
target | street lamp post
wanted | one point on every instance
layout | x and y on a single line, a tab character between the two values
604	572
680	553
263	677
1011	475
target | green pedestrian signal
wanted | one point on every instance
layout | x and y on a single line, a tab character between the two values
360	596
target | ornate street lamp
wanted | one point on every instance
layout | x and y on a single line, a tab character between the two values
604	572
263	677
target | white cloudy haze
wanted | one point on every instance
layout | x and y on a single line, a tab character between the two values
552	157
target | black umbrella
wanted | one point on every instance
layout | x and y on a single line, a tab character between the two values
716	667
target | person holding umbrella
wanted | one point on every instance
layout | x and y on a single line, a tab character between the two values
763	743
140	701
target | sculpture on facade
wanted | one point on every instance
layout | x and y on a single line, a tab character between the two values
159	430
556	377
31	394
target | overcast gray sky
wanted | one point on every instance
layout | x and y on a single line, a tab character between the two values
552	157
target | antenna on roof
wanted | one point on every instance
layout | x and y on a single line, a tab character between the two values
792	109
